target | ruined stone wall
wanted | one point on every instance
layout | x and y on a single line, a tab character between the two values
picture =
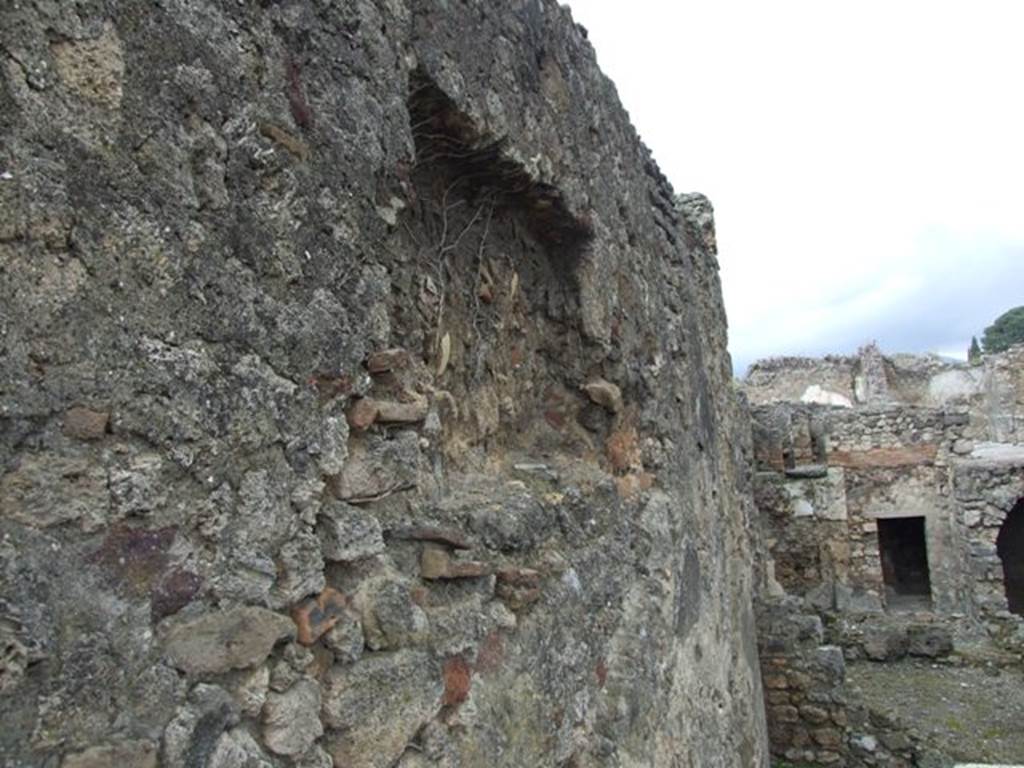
827	474
364	400
992	391
879	462
787	379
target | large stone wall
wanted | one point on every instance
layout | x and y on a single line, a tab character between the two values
364	400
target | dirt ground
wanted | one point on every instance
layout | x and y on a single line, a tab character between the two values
971	713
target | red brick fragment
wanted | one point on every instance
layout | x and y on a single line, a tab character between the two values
316	615
436	563
457	680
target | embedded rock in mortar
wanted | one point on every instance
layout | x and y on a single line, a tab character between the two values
373	709
232	639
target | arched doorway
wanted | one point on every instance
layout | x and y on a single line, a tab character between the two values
1010	546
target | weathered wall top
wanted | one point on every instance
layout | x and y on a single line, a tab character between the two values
993	387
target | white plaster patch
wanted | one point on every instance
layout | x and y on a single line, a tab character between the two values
1008	452
802	508
952	385
820	396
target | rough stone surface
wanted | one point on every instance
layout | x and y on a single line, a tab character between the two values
372	709
233	639
218	223
291	720
348	533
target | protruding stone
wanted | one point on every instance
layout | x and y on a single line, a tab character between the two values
85	424
375	707
251	693
348	533
236	748
316	757
391	619
393	412
193	736
291	720
605	394
345	638
387	360
46	489
362	413
232	639
317	615
379	469
808	471
436	563
885	644
962	447
300	569
929	640
449	536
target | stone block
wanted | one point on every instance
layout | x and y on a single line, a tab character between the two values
885	643
348	533
233	639
373	708
390	617
929	640
605	394
387	360
85	424
437	563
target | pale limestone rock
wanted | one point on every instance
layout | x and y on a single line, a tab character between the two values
291	720
233	639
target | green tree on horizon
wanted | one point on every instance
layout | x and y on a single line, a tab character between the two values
974	353
1007	330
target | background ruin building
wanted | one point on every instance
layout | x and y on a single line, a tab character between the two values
364	400
890	491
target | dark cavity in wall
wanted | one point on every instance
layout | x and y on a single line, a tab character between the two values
904	555
490	299
1010	547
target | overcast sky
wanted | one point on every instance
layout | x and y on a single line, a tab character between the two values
865	159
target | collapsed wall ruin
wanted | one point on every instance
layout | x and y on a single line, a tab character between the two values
364	400
889	491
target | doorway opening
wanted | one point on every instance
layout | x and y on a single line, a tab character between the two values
904	556
1010	548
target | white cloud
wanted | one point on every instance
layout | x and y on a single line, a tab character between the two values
863	158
